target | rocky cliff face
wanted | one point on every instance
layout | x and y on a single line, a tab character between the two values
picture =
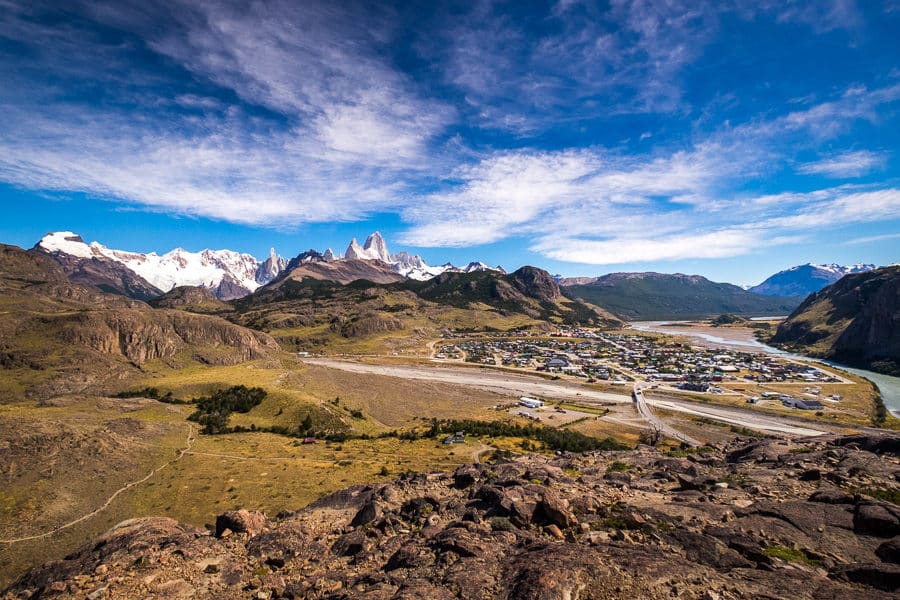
771	519
143	335
535	283
856	321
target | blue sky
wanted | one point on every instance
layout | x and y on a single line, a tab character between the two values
730	138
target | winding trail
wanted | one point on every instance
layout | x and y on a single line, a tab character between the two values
181	452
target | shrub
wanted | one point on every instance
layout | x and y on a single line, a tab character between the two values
213	411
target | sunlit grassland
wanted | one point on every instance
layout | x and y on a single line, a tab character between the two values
64	460
276	473
296	390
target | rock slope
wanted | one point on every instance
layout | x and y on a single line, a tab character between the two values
762	519
57	337
855	321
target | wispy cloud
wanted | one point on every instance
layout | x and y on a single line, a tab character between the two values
873	238
848	164
325	131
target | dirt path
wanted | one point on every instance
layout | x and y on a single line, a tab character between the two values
181	452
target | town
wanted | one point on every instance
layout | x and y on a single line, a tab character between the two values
655	362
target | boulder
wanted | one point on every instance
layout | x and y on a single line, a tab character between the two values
876	519
553	510
369	512
240	521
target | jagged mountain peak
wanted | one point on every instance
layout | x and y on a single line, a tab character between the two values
376	245
409	265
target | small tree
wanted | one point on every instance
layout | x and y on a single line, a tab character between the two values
307	423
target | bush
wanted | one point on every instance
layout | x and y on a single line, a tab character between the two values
150	392
618	467
213	411
789	555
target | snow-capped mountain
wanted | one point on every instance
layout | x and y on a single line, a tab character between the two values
803	280
408	265
227	273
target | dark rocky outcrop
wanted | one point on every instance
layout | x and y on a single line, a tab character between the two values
491	531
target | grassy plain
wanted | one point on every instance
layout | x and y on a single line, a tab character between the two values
64	458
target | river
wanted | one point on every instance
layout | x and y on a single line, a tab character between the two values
742	339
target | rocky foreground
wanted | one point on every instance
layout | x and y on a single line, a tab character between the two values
767	519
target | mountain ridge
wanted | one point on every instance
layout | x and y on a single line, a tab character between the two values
802	280
855	320
227	273
651	296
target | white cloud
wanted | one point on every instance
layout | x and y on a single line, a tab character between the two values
298	112
848	164
873	238
327	130
511	188
714	244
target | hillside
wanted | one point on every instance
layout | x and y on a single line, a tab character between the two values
651	296
804	280
311	313
57	337
855	321
729	522
340	271
191	298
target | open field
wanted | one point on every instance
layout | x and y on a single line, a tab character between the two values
562	390
94	462
74	457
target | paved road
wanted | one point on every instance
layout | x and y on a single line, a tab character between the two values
736	416
657	423
523	385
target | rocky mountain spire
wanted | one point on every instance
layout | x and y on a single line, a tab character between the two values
377	248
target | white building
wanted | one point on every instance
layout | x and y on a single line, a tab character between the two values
530	402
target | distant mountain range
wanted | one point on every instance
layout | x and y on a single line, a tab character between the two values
855	320
228	274
231	275
803	280
651	296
